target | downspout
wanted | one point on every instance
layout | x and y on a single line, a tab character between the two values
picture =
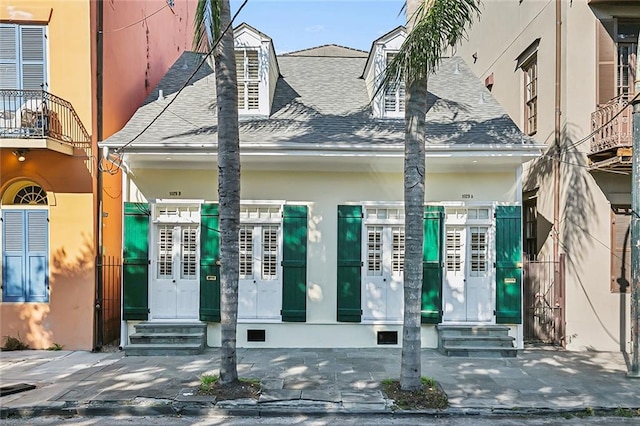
99	320
558	285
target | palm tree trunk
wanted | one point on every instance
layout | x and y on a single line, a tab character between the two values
414	181
228	193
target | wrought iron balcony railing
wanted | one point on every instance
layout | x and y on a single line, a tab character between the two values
39	114
611	143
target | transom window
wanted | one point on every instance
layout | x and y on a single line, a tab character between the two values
31	195
247	68
531	95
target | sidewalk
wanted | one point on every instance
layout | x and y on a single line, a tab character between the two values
312	380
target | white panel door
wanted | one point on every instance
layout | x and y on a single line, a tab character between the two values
175	286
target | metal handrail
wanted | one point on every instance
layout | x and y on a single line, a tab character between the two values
612	130
39	114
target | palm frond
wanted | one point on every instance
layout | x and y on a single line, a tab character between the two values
207	24
437	25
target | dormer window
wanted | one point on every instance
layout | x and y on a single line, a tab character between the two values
247	67
393	95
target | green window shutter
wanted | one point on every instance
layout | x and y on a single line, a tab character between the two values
349	263
431	310
294	264
135	262
508	265
209	266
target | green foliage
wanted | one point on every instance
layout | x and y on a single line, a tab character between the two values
437	25
624	412
430	396
428	382
207	381
14	344
588	412
55	347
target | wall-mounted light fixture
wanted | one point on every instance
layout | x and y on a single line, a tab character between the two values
20	154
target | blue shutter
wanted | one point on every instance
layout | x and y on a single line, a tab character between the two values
32	57
13	256
25	256
22	57
37	256
9	57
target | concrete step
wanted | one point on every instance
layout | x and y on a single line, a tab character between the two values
142	349
493	341
163	338
473	330
479	351
162	327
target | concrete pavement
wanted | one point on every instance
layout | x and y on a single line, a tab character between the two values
313	380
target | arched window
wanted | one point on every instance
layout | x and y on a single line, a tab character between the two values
31	195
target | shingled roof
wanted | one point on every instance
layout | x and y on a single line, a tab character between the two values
320	102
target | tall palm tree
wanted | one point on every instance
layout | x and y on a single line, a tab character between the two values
432	26
213	18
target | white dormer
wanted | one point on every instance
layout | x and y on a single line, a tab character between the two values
257	70
390	103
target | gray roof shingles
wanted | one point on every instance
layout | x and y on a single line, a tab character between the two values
320	101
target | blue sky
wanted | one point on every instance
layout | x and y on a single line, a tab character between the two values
300	24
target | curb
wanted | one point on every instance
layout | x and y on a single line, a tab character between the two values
115	408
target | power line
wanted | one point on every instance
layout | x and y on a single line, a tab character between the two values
120	149
137	22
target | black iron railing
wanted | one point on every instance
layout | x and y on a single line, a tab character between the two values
39	114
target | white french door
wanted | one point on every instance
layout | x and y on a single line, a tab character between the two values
468	294
175	285
260	287
383	273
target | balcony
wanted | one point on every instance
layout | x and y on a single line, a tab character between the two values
32	119
612	143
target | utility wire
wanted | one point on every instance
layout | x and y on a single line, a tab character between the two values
137	22
120	149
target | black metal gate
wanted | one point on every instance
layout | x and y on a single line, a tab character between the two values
543	301
108	303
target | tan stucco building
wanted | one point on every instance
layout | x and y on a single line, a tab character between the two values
513	50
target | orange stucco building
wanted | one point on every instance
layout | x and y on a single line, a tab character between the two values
71	73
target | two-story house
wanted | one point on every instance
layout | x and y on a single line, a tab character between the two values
322	221
71	72
576	58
